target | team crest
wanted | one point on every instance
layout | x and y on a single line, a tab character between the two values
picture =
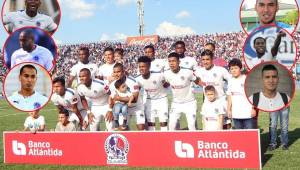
38	24
116	147
157	65
154	82
36	105
182	77
36	58
186	63
215	75
20	22
216	110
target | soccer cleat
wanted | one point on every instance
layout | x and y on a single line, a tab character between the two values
271	147
285	147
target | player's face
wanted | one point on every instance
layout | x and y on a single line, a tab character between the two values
84	77
173	63
62	118
180	49
34	114
123	88
209	47
118	58
32	5
260	46
58	88
235	71
118	73
207	62
28	79
144	68
266	11
211	95
149	53
109	57
83	56
26	42
270	80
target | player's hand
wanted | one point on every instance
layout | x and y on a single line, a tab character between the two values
281	34
91	117
109	116
116	98
129	104
229	115
253	113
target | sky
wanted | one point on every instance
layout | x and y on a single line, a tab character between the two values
85	21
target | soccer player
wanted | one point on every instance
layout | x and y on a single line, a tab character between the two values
30	52
157	65
34	122
106	70
213	110
68	99
137	108
29	17
27	99
238	107
180	80
63	124
96	92
118	55
154	85
266	11
82	63
260	47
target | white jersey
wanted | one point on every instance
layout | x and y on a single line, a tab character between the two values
253	61
75	70
133	88
105	71
241	108
34	124
40	55
158	65
20	19
211	111
97	93
180	83
269	104
70	98
215	77
153	86
30	103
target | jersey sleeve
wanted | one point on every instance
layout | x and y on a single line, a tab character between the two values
134	87
229	88
226	74
99	72
26	123
7	18
42	121
51	26
48	60
73	71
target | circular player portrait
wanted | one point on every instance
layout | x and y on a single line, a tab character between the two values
270	86
27	87
257	13
30	44
44	14
270	44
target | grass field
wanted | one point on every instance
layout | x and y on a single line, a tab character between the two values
11	120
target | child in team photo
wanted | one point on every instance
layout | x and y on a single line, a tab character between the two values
121	108
213	110
64	124
34	122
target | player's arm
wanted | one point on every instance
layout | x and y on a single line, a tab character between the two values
275	48
42	127
220	121
70	81
199	82
131	98
229	106
77	112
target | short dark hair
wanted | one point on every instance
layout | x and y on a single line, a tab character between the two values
212	44
108	49
59	79
64	111
210	88
119	51
28	33
144	59
84	48
149	46
119	65
207	53
119	82
235	62
27	66
179	43
87	70
173	54
258	38
269	67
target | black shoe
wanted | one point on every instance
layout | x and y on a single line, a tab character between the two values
285	147
271	147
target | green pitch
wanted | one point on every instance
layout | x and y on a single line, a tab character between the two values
11	120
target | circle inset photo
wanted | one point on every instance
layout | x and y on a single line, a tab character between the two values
270	44
270	86
27	87
257	13
44	14
30	44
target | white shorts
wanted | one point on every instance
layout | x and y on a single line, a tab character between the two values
157	108
100	112
137	111
190	110
74	118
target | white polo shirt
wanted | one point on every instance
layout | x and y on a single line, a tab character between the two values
34	124
269	104
211	111
30	103
40	55
20	19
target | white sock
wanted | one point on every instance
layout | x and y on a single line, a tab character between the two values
165	128
151	128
